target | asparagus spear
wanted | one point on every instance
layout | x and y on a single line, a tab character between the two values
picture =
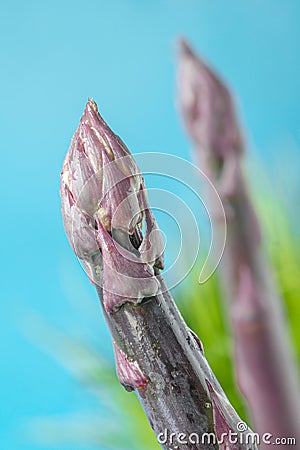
104	204
265	367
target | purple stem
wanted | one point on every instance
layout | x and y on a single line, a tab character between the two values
265	368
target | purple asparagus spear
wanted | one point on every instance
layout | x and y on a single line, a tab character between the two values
104	203
265	368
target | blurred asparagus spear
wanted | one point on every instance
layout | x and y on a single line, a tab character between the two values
265	368
104	203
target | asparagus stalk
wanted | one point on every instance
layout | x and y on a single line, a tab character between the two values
265	367
104	204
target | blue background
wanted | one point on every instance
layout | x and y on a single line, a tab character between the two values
54	55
